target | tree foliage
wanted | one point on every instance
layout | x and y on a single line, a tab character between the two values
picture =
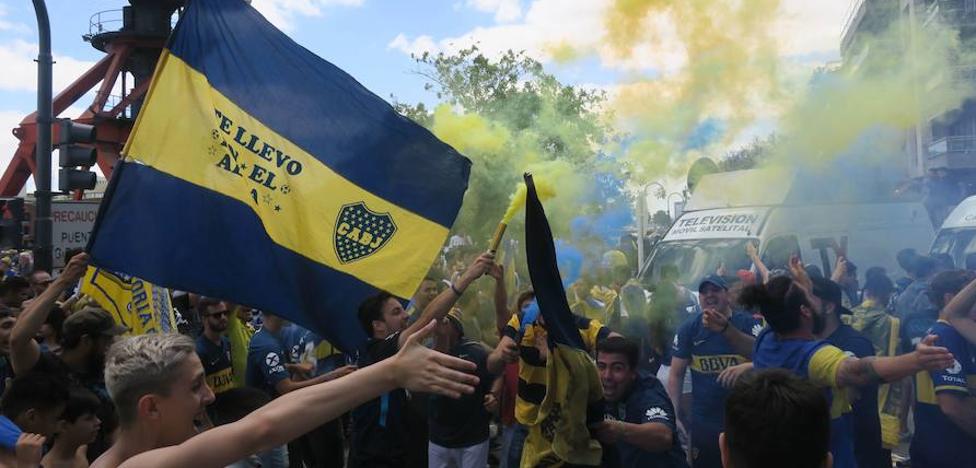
749	156
515	91
541	119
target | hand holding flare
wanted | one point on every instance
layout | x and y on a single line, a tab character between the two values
545	191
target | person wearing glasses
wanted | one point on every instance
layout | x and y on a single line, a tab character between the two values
213	346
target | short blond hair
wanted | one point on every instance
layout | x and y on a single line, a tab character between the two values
144	364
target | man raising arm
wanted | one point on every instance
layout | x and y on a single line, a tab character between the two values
158	383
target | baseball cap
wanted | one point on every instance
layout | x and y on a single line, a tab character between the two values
90	321
454	316
713	279
829	291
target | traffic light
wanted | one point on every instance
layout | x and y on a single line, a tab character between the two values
12	223
72	156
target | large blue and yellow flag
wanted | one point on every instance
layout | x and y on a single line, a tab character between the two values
259	173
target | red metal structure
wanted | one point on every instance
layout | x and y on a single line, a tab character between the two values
131	50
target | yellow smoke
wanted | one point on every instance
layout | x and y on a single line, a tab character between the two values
888	93
468	133
543	188
500	158
727	68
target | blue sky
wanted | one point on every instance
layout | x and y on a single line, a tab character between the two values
371	39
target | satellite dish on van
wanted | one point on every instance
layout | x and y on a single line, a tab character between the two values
699	169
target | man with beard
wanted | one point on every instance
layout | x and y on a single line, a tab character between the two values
865	416
795	316
213	347
710	342
86	337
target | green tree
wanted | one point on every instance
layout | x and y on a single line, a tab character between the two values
750	156
661	218
547	121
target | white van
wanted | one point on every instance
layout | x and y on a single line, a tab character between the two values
783	215
957	236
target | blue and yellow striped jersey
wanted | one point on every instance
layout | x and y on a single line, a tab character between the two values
532	370
710	354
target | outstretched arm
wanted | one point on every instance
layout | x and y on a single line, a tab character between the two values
289	416
24	351
442	304
854	372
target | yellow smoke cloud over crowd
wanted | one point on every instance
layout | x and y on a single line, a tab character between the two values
730	71
724	64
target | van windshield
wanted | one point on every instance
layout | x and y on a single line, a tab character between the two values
957	243
696	258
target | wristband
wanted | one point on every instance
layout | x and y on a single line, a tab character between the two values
455	289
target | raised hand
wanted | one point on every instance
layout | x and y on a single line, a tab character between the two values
731	375
714	321
931	357
28	450
75	268
420	369
800	274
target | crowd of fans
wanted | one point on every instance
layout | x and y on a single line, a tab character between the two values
779	367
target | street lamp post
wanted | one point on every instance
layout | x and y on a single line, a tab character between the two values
42	175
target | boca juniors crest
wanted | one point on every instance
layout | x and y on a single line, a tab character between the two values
360	232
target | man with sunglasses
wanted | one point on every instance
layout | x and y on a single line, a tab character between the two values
39	280
213	347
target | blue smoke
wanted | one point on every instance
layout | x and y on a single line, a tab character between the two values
704	134
570	262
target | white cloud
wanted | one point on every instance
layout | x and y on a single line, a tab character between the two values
20	70
811	27
505	10
545	24
415	46
282	13
10	26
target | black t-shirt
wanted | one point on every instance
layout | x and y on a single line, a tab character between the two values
378	435
647	403
463	422
95	382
